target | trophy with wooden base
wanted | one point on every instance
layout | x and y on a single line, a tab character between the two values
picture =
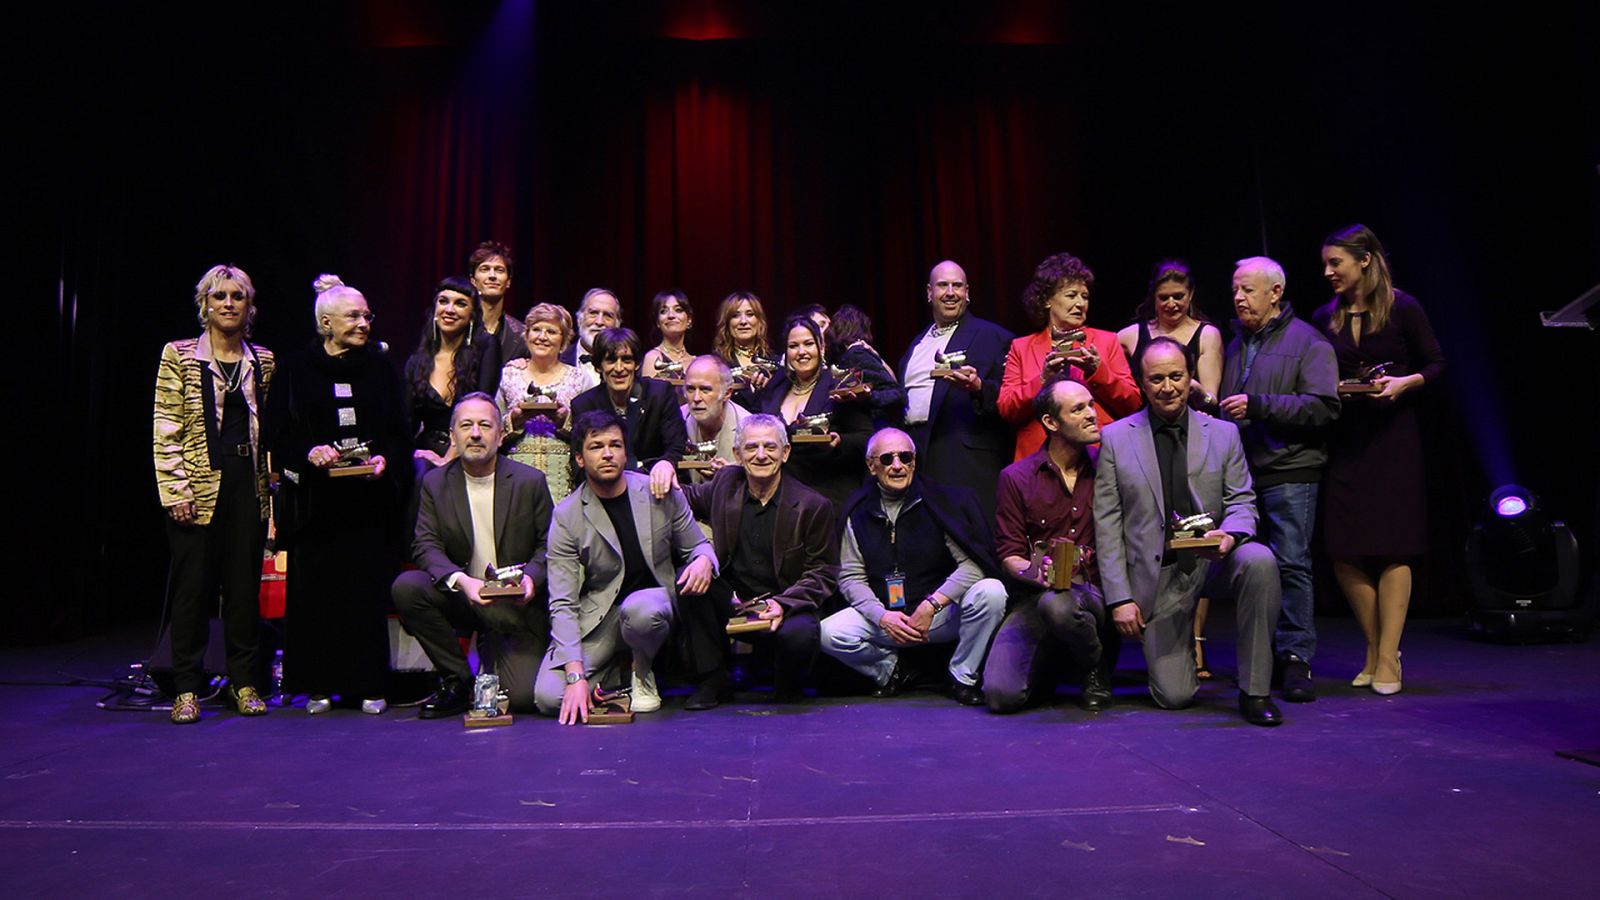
490	705
354	459
946	364
1189	532
1065	344
502	583
810	430
847	385
610	707
747	615
699	457
1365	380
743	375
669	371
1057	564
541	401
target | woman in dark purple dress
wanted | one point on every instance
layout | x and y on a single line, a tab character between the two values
1375	507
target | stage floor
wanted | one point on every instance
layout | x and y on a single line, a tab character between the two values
1452	788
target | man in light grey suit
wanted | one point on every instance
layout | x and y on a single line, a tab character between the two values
613	557
1169	459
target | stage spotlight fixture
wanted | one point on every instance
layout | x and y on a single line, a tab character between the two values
1523	568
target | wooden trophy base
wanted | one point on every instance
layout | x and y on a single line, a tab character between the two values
1194	543
471	721
538	407
943	372
609	715
748	624
696	465
807	437
492	591
350	471
1357	387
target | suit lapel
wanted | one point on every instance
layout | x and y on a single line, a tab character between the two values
455	495
599	522
1145	453
1199	438
787	527
639	502
732	506
502	507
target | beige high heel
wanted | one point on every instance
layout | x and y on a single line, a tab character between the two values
1388	688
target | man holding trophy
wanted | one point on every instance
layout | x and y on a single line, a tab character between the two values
1169	462
709	417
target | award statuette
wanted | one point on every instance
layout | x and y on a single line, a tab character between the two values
810	430
668	371
1058	564
699	456
489	704
847	385
353	459
540	400
503	583
1062	344
610	707
1188	532
757	365
747	615
945	364
1363	383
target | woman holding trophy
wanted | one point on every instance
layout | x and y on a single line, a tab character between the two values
828	428
536	397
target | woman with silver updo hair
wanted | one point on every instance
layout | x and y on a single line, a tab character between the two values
211	477
338	439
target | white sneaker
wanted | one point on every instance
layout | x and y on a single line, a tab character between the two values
316	706
374	706
645	696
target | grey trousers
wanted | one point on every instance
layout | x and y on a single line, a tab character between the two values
641	621
1069	621
1250	576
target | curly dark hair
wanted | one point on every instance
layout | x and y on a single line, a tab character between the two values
1175	271
1062	268
468	356
847	326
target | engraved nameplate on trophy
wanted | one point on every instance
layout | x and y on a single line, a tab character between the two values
669	371
489	703
699	456
540	399
503	583
847	385
1189	532
1365	380
945	364
610	707
810	430
747	615
354	459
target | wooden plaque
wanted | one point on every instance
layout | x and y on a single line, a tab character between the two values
542	405
697	465
807	437
1358	387
472	721
748	624
1193	543
349	471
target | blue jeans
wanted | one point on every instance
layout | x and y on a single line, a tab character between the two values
1288	513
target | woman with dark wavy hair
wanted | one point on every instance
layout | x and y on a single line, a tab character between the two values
1375	509
455	356
1058	299
834	469
1169	309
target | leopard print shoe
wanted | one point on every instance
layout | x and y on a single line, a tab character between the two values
185	709
248	702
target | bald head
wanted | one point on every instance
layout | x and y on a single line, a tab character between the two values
947	292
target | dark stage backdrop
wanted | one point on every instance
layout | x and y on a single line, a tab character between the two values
825	152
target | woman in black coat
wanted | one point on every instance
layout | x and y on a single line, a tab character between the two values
834	468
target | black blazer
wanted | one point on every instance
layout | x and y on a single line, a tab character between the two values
805	554
653	426
833	472
443	542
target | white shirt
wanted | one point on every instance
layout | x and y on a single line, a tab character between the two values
919	375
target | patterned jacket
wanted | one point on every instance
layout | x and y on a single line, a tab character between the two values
188	418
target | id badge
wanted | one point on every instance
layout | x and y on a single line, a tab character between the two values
897	591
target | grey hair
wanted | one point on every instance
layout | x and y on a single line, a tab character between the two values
724	373
872	442
760	420
592	292
216	275
330	290
1266	265
475	395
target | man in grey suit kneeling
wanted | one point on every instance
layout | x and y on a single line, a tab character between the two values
1168	459
613	557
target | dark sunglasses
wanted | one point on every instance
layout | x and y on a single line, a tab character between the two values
906	457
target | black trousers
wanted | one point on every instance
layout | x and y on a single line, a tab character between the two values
517	635
223	554
1040	637
704	620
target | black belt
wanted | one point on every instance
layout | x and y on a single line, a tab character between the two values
237	450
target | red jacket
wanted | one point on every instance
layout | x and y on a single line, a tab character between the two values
1112	385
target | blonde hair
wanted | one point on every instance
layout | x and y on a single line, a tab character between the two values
215	276
557	316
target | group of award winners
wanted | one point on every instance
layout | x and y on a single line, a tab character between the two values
989	512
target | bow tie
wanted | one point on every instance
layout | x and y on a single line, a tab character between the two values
584	359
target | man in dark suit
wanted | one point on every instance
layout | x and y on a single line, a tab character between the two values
1168	460
480	510
652	426
953	419
773	537
614	573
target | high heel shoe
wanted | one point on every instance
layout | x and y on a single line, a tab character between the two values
1364	679
1389	688
1201	670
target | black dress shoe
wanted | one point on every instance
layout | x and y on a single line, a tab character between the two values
896	683
1259	710
711	691
1096	693
451	699
967	694
1297	684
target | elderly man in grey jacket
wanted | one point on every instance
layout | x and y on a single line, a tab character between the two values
1280	385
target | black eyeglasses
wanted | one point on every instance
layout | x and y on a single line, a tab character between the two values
906	457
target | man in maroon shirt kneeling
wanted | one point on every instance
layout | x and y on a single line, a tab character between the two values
1045	496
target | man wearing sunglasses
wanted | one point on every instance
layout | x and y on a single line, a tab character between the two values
916	568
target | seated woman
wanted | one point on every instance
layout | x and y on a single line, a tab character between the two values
834	468
741	337
652	425
539	439
341	531
673	318
1169	310
211	476
455	357
849	337
1058	298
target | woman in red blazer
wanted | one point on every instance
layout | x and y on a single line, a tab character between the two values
1058	297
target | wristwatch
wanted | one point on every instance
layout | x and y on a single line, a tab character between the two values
574	677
